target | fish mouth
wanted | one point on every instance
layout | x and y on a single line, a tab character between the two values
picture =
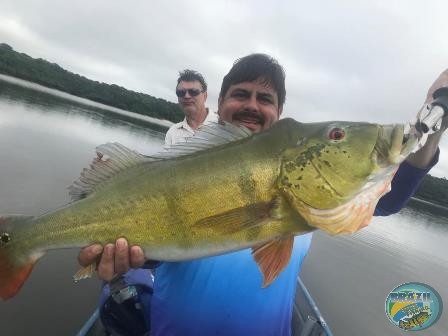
252	120
394	144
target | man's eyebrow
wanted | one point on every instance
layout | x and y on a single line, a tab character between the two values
265	95
240	90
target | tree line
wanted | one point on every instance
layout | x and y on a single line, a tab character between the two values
40	71
433	189
51	75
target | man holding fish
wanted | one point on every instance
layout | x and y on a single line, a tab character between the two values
222	294
228	213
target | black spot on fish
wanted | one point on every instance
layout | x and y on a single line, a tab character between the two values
285	182
290	167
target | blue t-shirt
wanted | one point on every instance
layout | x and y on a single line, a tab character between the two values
223	295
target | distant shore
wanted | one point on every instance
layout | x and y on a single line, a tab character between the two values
34	86
426	206
51	75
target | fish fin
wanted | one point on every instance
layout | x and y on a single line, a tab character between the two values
272	257
206	136
232	221
13	274
111	159
84	272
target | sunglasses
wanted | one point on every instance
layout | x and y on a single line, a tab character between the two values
191	92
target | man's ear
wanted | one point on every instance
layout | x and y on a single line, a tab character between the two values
219	107
205	95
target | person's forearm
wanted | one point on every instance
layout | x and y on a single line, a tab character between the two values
423	157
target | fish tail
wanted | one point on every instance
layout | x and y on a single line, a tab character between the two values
403	325
15	264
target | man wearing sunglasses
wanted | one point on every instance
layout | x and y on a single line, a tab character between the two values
222	295
191	92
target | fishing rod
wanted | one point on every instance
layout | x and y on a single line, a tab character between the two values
430	117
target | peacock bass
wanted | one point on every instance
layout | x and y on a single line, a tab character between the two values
225	189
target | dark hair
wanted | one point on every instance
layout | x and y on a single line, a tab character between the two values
191	76
252	67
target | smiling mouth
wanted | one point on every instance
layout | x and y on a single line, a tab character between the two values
249	119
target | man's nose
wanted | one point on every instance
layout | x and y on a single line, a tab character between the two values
252	103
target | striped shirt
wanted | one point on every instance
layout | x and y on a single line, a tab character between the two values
181	131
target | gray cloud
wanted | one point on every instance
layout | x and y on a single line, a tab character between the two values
349	59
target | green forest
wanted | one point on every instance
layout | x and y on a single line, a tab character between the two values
51	75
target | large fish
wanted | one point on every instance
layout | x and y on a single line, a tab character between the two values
225	190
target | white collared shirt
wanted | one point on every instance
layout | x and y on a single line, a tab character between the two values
181	131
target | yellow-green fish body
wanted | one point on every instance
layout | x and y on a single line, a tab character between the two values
415	321
224	190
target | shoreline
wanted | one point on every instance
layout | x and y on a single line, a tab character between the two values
423	205
38	87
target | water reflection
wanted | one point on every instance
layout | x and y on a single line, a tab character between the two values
45	142
27	108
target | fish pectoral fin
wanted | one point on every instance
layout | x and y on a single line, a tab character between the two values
272	257
84	272
232	221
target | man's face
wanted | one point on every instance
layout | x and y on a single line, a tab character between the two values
191	104
251	104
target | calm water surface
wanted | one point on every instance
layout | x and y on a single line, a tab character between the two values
46	140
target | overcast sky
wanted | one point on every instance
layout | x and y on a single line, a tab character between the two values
358	60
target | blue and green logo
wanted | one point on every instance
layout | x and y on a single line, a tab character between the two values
414	306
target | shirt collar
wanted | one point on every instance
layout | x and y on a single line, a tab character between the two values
211	116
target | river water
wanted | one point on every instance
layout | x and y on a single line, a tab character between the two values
46	140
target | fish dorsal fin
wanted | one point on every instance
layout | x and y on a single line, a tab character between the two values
114	157
206	136
111	159
272	257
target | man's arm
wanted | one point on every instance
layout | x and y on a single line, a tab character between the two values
417	165
423	157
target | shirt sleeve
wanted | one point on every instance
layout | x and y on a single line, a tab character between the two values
169	138
404	185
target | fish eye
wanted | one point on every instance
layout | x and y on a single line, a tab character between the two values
4	238
336	134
